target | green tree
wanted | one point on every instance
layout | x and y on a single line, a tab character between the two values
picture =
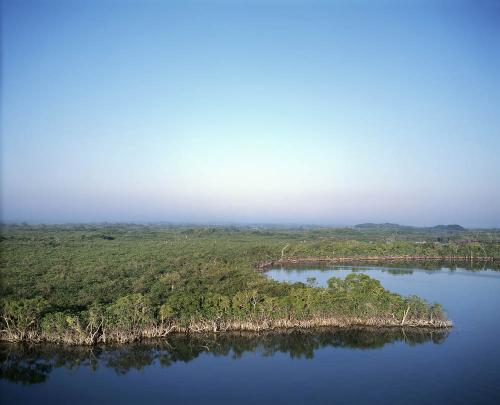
21	318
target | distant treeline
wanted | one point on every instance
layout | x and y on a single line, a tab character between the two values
406	228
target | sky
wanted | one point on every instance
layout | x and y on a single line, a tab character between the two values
296	112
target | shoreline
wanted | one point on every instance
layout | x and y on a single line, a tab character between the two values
265	265
229	327
263	334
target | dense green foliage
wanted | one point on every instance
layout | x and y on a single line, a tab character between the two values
129	281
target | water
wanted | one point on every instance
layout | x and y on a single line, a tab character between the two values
324	366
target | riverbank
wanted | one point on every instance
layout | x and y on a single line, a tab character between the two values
78	336
322	260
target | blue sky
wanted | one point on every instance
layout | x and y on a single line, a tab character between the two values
251	111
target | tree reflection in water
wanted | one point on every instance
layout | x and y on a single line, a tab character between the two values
32	364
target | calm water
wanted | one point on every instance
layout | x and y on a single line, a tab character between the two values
327	366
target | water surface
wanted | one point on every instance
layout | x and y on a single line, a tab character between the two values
324	366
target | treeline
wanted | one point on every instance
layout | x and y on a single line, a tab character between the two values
357	300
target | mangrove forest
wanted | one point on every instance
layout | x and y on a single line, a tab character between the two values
107	283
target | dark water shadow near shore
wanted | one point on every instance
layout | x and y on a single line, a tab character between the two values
396	265
33	364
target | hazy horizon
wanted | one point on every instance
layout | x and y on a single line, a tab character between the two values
279	112
278	225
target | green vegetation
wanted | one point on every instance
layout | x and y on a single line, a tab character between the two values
103	283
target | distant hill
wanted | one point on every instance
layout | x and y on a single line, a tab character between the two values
454	227
390	226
